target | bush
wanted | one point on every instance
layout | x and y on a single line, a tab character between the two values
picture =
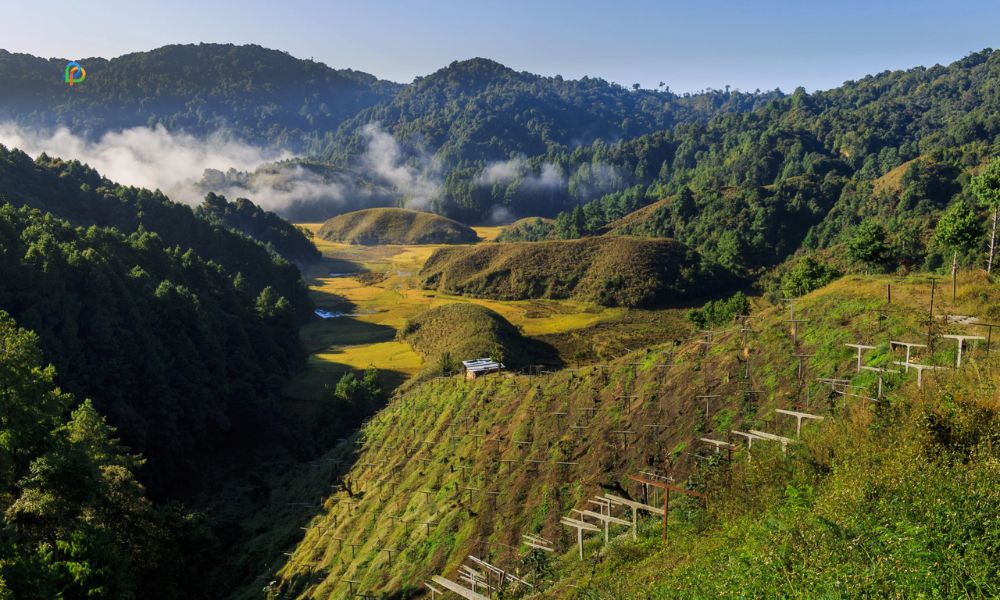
719	312
806	276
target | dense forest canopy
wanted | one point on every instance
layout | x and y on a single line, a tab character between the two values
79	194
479	110
803	170
179	328
264	226
180	355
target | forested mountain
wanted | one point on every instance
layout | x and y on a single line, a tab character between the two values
751	188
79	194
180	356
263	96
479	110
180	331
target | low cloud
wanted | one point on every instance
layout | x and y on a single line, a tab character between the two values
185	167
416	176
550	177
153	158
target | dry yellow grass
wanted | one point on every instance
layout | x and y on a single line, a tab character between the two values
377	310
394	356
488	234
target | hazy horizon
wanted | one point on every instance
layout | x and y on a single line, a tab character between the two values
767	45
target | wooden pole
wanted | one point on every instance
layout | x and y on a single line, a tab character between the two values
930	315
666	510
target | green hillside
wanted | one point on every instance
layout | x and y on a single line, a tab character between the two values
480	110
607	271
892	497
379	226
801	172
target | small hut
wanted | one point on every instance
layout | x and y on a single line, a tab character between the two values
480	366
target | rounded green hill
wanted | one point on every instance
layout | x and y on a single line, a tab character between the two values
610	271
467	331
378	226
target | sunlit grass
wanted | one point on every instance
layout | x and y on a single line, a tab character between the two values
376	308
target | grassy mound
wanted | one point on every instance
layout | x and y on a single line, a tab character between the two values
615	271
466	331
376	226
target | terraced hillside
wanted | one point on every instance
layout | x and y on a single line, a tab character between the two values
607	271
381	226
452	468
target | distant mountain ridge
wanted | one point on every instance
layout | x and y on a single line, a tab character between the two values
264	96
480	110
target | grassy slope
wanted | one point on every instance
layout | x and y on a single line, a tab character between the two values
469	331
380	226
606	271
777	525
636	217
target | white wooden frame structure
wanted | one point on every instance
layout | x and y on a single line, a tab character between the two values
920	371
798	419
774	438
909	346
961	344
580	526
861	349
635	506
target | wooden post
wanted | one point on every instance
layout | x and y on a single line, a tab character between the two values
961	344
930	318
860	349
954	275
667	488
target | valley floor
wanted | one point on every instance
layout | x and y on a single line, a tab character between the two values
376	289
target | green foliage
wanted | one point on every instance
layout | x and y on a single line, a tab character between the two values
75	523
959	228
360	395
986	185
446	364
167	345
867	245
480	110
527	230
716	313
263	96
291	243
805	276
72	191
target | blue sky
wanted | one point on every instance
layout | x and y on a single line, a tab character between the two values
691	45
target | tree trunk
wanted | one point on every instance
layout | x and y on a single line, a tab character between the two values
993	241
